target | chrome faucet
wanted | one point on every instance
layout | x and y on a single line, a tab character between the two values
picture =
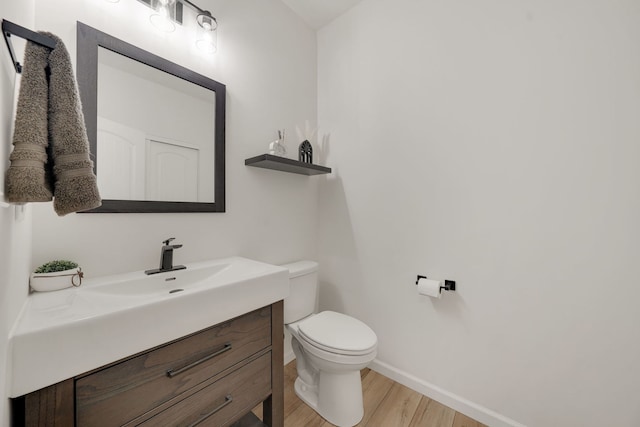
166	258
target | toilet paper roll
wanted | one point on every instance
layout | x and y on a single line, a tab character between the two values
429	288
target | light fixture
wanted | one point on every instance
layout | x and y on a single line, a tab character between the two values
206	33
167	13
163	18
206	39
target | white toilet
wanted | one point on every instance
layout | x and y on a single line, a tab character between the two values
330	348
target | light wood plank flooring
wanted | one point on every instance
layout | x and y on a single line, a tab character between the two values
386	404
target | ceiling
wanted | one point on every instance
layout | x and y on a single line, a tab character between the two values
318	13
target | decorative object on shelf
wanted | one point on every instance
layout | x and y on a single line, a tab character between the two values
277	147
305	152
56	275
303	166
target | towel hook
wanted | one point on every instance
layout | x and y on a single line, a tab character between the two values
10	29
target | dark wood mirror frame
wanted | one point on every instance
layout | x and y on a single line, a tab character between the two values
89	40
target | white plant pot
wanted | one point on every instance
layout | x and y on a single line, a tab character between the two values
44	282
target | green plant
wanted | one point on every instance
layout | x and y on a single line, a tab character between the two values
58	265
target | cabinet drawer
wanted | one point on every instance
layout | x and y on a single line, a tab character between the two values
224	401
124	391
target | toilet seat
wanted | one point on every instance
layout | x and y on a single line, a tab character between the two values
337	333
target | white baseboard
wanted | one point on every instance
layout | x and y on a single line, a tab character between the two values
470	409
288	357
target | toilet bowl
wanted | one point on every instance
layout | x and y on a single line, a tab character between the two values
330	348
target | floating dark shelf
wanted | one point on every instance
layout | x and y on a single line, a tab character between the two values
269	161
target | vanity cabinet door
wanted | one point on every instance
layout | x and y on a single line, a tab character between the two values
127	390
222	402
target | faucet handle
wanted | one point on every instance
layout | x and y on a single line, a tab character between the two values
166	242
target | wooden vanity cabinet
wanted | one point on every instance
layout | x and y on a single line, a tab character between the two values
210	378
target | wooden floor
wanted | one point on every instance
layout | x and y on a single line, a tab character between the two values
386	404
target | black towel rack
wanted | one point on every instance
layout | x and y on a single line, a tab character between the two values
10	29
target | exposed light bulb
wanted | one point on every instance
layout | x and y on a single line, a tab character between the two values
207	38
161	19
207	44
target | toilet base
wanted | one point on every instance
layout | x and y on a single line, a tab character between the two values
339	400
307	393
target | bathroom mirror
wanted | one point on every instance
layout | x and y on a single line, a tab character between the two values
157	129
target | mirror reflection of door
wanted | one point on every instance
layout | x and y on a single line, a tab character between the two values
122	157
172	172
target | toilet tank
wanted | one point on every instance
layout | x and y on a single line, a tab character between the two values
303	286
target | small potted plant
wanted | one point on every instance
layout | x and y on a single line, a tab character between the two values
55	275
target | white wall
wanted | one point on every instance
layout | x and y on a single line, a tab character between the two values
267	58
494	143
15	222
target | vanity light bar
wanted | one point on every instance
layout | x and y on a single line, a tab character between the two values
207	23
179	6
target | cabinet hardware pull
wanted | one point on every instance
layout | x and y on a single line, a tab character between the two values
227	400
172	373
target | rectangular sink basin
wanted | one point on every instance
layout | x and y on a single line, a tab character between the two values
65	333
161	283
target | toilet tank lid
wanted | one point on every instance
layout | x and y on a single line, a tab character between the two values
300	268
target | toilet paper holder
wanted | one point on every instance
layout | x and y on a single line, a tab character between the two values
449	285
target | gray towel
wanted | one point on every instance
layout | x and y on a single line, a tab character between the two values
51	107
27	179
